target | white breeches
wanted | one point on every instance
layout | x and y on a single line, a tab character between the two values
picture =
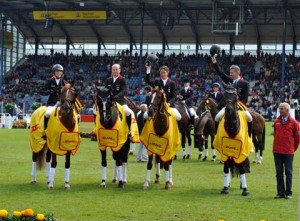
176	112
222	111
126	109
49	110
193	112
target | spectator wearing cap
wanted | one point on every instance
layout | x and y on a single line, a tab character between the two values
186	97
216	93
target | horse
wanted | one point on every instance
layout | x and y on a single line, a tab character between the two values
184	130
62	136
233	141
160	136
258	128
110	123
204	127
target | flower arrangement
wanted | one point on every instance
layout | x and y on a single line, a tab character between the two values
19	124
35	105
8	106
25	215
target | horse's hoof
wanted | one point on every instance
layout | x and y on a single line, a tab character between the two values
156	181
205	158
188	157
124	181
175	157
146	186
168	185
33	182
214	158
225	190
199	157
259	162
254	161
184	157
67	185
245	192
130	153
114	181
50	186
121	184
103	184
171	182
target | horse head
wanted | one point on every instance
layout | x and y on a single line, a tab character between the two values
107	107
157	102
208	103
158	112
232	123
67	105
67	98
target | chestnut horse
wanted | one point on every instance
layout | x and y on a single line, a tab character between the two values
204	127
109	114
62	123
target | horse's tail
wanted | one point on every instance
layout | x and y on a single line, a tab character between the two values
40	162
263	137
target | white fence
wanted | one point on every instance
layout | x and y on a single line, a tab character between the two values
6	120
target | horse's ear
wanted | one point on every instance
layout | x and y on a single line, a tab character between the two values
72	83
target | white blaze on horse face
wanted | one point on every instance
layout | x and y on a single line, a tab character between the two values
153	97
104	108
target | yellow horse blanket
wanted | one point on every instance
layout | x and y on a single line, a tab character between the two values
59	139
113	137
238	147
37	129
165	146
134	130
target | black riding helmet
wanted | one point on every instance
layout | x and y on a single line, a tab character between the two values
214	49
151	60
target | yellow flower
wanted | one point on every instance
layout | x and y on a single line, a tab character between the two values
221	219
27	212
40	216
17	213
3	213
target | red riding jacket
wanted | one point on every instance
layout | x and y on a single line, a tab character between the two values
286	136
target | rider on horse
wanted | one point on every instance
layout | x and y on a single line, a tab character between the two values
118	88
53	88
216	94
241	85
164	83
186	97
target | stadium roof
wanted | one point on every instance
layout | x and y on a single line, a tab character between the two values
192	21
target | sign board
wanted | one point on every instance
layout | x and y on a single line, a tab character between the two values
8	39
70	15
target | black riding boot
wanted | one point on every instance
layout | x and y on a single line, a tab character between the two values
46	119
128	121
191	122
249	128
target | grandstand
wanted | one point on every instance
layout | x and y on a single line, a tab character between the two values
257	35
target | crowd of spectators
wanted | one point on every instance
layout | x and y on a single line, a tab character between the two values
263	74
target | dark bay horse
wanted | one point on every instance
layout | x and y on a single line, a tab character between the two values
184	130
62	135
258	128
233	140
204	127
160	122
111	123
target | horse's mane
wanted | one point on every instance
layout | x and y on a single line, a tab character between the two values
213	101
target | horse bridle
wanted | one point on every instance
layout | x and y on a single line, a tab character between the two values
67	108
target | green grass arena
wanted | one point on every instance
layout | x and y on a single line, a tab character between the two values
194	196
